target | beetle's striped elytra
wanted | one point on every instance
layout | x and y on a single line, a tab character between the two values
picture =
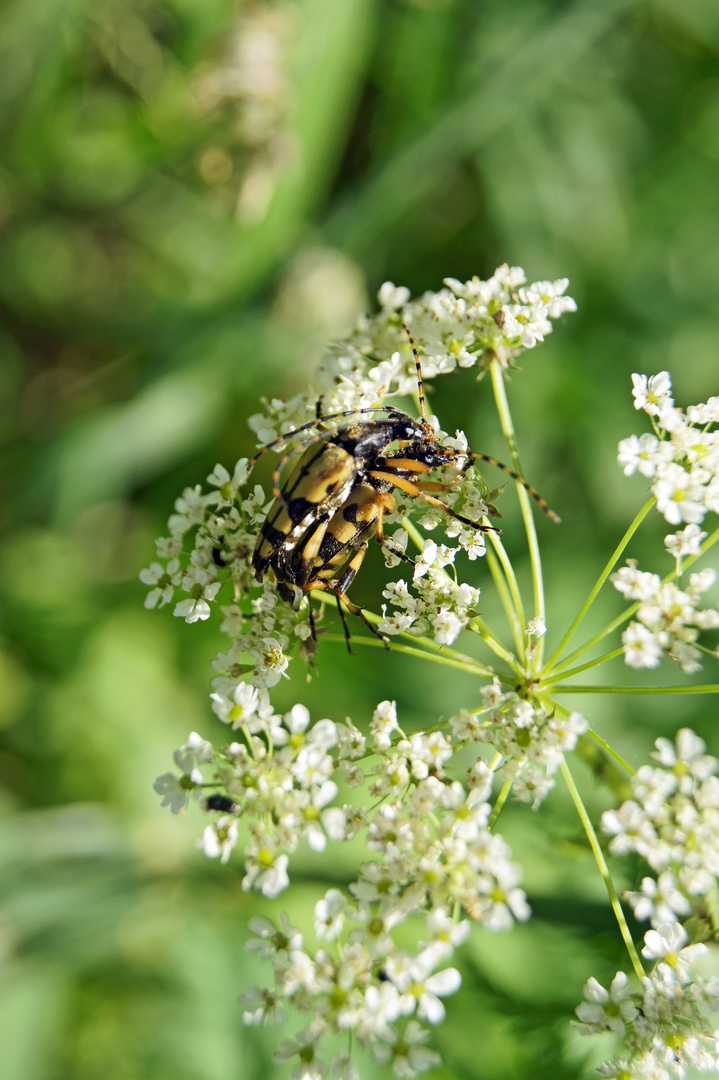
316	533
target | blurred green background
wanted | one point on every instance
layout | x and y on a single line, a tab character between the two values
194	197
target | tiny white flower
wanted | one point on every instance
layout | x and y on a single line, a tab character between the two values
329	915
651	392
661	901
164	578
640	453
641	648
425	559
406	1052
267	873
175	790
608	1010
667	945
238	710
685	542
219	838
393	296
384	722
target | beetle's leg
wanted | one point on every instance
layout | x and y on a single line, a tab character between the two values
343	584
393	551
311	617
345	627
433	485
412	489
355	610
386	504
339	587
350	572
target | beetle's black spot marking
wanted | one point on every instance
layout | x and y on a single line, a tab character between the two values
307	467
274	537
329	547
349	513
300	508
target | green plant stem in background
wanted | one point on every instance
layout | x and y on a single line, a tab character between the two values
604	870
616	554
408	650
549	680
499	803
516	608
635	690
500	397
481	627
560	668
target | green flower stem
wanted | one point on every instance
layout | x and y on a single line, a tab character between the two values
611	751
484	632
413	531
559	669
603	870
583	667
712	689
501	586
437	658
550	705
443	650
447	650
628	612
479	626
517	618
500	397
501	800
602	578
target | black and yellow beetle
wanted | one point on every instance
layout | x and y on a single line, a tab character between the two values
316	533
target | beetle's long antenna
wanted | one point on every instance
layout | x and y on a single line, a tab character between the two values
543	504
422	408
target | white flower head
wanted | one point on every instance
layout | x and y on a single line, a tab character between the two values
652	392
393	296
219	839
685	542
667	945
384	722
607	1010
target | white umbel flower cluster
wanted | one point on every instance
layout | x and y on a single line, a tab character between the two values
462	325
531	743
434	860
664	1027
682	456
673	824
668	620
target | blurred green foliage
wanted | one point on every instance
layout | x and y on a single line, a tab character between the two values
193	198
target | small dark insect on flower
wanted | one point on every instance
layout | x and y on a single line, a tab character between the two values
220	802
316	532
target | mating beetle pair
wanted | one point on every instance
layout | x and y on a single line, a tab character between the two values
316	533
